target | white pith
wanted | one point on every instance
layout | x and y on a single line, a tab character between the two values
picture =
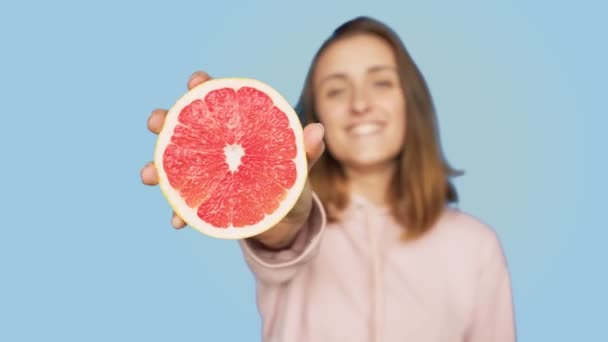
233	153
233	157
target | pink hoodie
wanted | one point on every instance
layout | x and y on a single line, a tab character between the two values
355	281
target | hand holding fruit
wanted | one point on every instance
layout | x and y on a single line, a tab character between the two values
282	233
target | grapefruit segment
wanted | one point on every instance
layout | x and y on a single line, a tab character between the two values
252	100
195	115
230	158
193	139
275	141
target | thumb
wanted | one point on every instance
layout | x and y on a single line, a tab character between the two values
313	142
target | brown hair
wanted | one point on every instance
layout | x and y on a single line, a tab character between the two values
421	186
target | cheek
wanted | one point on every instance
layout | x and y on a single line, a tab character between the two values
400	133
401	121
333	123
335	139
397	109
332	117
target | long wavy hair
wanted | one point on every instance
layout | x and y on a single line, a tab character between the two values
421	186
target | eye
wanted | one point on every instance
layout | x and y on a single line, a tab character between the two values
334	92
383	83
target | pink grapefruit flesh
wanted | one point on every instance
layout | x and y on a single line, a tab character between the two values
230	158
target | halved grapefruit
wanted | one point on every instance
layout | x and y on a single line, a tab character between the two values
230	157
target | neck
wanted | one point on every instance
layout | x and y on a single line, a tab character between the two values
373	183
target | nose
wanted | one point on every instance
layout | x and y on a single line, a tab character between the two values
360	101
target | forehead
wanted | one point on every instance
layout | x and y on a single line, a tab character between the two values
355	56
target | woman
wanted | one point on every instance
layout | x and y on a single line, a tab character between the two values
373	250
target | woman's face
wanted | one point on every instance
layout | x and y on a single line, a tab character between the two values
360	102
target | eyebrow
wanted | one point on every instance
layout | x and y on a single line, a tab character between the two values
371	70
381	68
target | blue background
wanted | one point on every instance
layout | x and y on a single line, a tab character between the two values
87	252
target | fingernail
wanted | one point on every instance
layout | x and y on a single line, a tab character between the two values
322	129
175	222
193	76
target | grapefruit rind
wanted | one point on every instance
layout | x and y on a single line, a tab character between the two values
177	203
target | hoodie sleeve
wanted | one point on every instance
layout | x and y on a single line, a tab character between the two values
493	313
275	267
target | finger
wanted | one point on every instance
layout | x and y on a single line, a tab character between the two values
156	120
313	142
148	174
197	78
177	222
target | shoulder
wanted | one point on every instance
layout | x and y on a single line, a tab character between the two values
461	233
462	226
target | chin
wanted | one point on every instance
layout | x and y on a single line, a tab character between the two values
367	156
363	161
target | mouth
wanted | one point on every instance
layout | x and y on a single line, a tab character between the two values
365	128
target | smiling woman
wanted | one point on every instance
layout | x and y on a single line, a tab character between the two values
374	250
360	103
373	101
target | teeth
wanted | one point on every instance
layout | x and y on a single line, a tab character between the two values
367	128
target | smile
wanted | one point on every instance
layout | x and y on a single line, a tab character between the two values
366	128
